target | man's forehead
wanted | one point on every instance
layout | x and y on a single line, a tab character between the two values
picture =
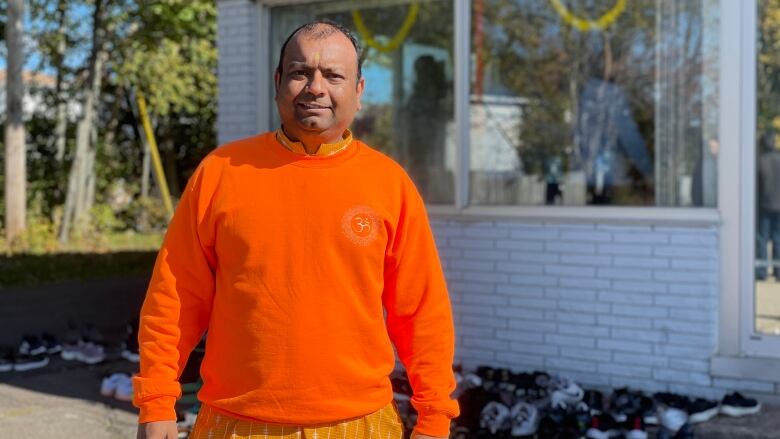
335	48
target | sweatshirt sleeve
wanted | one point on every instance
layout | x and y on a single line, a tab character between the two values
419	316
178	303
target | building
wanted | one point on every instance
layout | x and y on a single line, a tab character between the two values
594	199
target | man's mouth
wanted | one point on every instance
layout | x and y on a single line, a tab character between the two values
312	107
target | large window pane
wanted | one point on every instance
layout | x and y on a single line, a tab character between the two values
602	102
408	102
767	299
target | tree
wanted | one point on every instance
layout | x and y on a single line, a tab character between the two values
15	144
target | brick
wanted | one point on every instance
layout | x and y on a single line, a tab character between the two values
701	366
485	232
627	298
538	280
625	249
689	352
590	260
640	359
521	291
677	327
520	361
485	299
531	326
571	293
695	264
520	313
461	264
570	270
648	386
639	335
485	343
570	247
475	310
520	336
693	315
482	322
486	255
563	364
693	289
533	257
586	354
634	262
744	385
590	380
472	331
567	340
520	267
689	276
685	302
533	348
708	240
626	370
473	276
586	236
625	322
526	246
587	330
533	303
470	243
624	346
483	355
625	274
639	287
447	231
534	234
588	307
682	377
568	226
697	391
570	317
640	238
678	251
472	287
584	282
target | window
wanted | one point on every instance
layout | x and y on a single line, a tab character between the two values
408	102
594	102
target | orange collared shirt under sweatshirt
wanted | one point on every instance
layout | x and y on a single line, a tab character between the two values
291	261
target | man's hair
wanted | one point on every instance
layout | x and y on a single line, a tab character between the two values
319	29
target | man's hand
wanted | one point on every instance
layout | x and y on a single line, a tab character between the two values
158	430
416	435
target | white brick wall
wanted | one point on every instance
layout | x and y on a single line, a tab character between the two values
607	305
237	69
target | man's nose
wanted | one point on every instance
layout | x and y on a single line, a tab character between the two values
315	83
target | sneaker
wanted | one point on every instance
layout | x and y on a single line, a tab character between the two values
124	388
595	401
130	354
734	404
565	392
524	418
31	345
53	346
701	410
495	417
602	427
109	384
84	352
637	430
24	362
6	360
672	419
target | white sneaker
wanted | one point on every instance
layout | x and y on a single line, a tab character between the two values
109	384
525	419
565	391
124	389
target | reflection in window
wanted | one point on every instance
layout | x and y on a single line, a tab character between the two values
624	115
408	101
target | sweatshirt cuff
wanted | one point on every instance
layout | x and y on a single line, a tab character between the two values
433	424
158	409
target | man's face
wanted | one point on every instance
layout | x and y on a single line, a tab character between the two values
318	92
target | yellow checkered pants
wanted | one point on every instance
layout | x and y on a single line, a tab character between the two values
382	424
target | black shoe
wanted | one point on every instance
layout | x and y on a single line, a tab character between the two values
29	362
51	343
595	401
31	345
6	360
734	404
700	410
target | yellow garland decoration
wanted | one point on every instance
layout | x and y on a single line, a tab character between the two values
585	25
396	41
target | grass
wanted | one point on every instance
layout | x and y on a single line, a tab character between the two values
121	255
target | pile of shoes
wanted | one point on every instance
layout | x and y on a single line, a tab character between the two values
499	403
85	344
33	353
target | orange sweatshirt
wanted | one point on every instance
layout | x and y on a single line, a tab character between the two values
291	262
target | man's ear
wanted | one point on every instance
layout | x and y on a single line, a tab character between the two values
277	80
360	86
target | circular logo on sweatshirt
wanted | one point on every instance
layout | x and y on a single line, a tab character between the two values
360	224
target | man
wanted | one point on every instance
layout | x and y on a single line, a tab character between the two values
306	255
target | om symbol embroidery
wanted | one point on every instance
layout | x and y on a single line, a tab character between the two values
360	224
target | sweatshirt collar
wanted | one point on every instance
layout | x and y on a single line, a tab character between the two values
325	149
